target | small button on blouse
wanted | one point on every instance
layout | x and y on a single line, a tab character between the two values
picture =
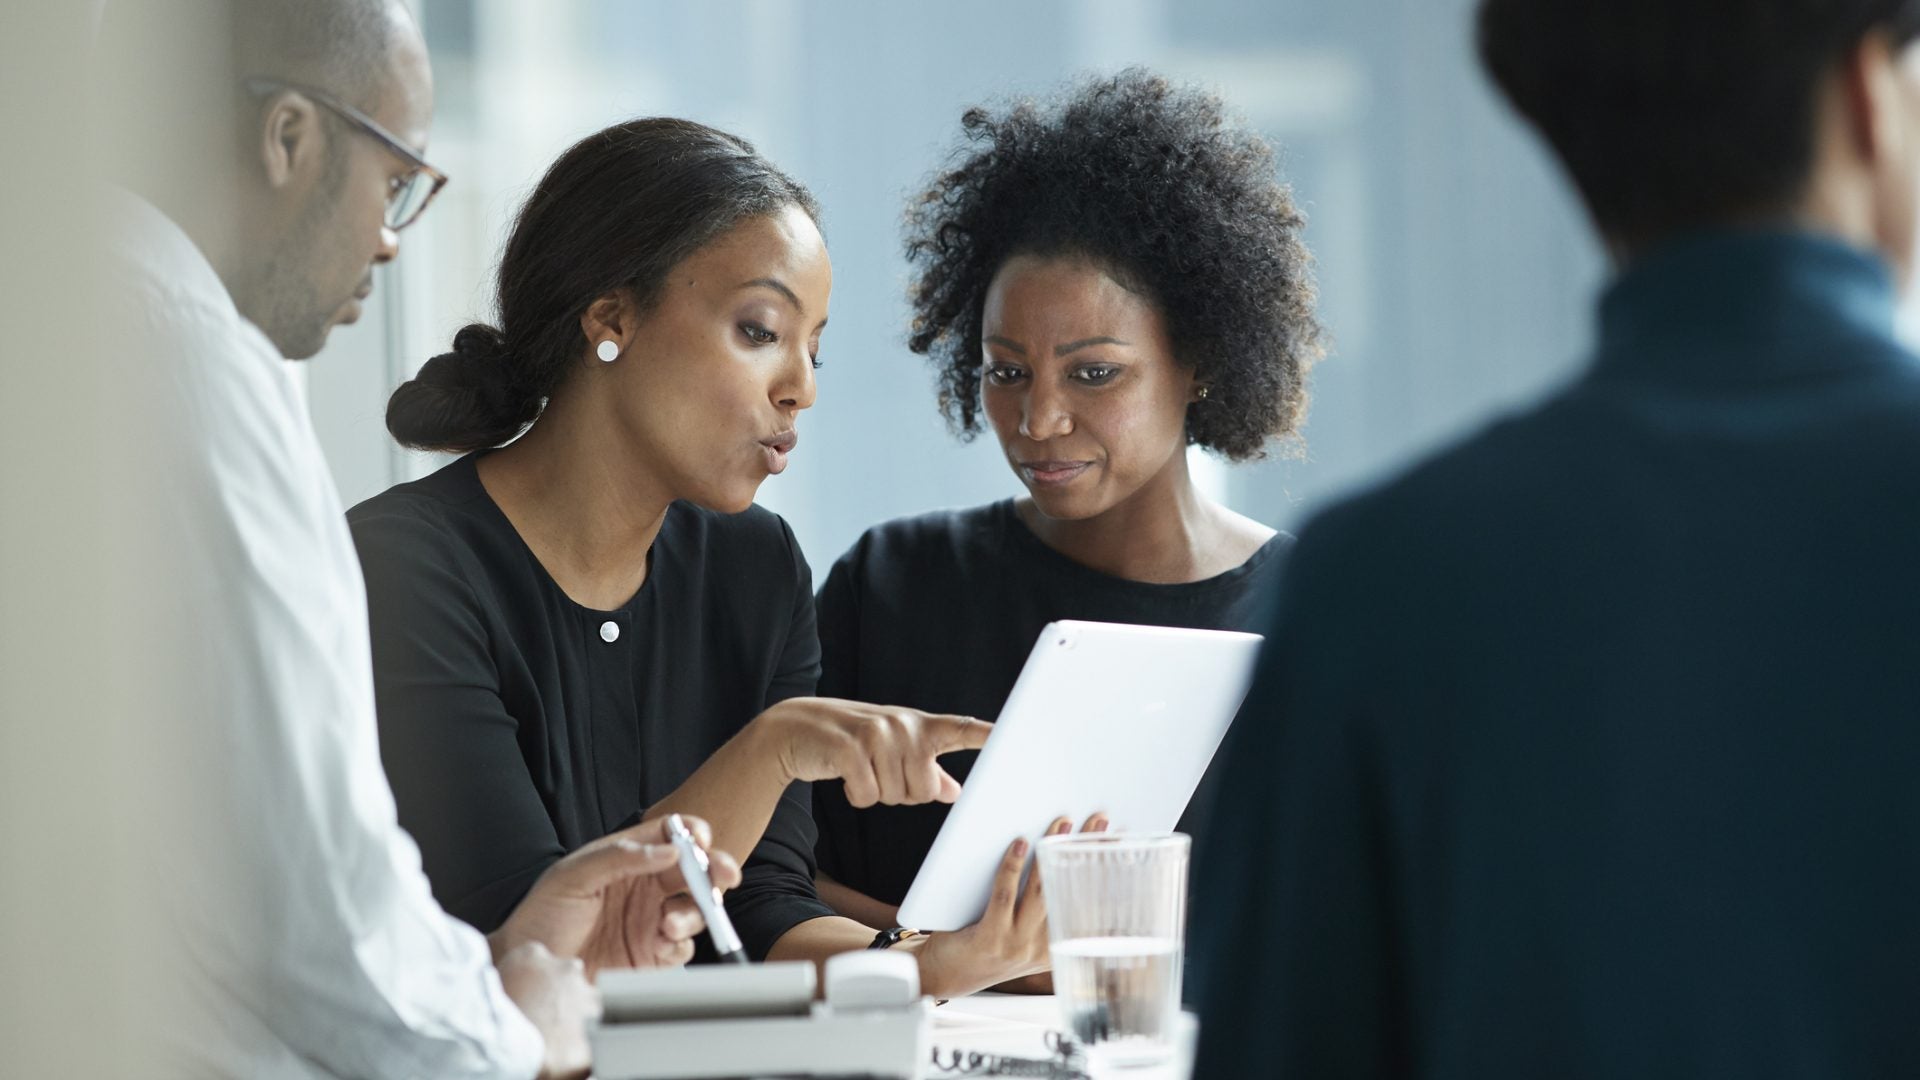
609	631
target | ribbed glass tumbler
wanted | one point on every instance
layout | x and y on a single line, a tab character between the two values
1116	920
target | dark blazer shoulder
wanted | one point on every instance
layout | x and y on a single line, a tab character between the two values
1478	471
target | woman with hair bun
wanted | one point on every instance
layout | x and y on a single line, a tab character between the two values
1105	280
585	622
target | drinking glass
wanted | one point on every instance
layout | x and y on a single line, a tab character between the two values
1116	921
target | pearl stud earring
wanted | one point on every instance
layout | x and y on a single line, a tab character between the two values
608	350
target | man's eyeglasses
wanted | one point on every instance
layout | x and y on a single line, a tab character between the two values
409	195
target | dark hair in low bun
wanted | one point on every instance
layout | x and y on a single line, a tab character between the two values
617	211
462	399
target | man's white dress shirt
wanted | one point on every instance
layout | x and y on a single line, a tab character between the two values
308	942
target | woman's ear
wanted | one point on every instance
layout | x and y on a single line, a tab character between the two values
609	319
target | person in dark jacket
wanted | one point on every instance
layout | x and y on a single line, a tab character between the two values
1587	748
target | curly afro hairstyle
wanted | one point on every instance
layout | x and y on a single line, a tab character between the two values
1151	183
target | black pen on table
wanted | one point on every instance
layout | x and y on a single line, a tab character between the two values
694	867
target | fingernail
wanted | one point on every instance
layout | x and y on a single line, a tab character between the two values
1020	847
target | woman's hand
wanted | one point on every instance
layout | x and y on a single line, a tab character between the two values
617	902
883	754
1009	941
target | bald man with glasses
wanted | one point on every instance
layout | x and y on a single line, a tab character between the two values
251	203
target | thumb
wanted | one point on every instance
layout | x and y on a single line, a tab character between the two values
597	867
949	733
949	787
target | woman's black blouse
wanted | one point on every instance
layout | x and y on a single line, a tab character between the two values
939	612
517	725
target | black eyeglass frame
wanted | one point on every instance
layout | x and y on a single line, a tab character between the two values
262	86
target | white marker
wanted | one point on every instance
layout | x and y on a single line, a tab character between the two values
693	867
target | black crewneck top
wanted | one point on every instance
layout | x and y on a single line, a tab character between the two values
938	612
517	725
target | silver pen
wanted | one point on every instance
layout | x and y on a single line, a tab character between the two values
694	867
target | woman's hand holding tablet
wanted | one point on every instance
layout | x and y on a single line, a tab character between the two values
1010	940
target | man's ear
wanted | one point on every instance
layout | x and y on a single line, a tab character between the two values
293	140
1877	124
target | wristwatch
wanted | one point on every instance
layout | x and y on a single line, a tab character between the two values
887	939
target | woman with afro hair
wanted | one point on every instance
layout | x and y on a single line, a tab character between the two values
1104	281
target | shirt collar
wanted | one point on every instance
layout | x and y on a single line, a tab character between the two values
1745	304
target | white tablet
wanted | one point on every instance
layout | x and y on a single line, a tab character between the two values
1104	717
